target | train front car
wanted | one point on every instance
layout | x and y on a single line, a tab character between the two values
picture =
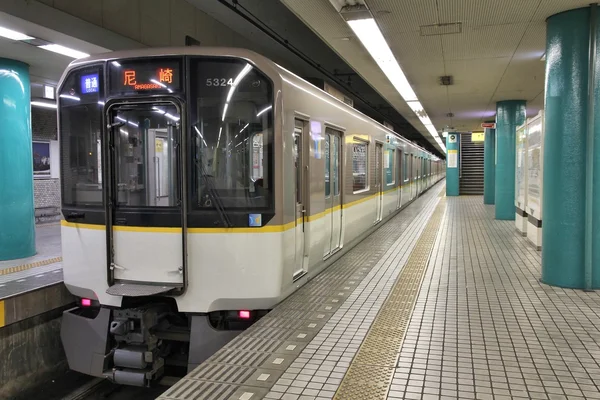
166	157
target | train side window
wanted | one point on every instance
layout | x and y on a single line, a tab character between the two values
388	163
360	163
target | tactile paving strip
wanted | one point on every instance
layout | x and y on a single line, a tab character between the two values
278	338
372	369
24	267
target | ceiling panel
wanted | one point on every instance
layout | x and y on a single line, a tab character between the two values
404	16
484	42
476	76
551	7
495	57
411	47
321	17
487	12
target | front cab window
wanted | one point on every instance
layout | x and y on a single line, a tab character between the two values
232	127
81	101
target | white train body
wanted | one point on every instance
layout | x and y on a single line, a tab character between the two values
255	258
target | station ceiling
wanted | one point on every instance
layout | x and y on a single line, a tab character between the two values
492	49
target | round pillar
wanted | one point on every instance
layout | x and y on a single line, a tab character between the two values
452	164
567	118
17	222
509	115
489	166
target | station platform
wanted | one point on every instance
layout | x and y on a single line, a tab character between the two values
443	301
41	270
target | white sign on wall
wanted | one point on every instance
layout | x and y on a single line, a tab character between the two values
452	159
452	138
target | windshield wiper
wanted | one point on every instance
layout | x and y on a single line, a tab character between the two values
216	199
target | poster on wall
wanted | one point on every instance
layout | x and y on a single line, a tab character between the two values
41	160
452	159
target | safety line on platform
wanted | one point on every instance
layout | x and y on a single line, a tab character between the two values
24	267
372	368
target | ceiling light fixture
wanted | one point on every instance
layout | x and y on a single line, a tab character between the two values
364	26
14	35
65	51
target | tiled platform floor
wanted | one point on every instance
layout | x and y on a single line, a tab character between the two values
483	326
40	270
303	348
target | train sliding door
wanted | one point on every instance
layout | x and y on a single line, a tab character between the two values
144	198
399	176
378	181
413	179
333	196
301	185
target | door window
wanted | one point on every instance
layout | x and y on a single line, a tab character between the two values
145	155
298	164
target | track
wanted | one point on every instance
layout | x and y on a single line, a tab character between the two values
75	386
104	390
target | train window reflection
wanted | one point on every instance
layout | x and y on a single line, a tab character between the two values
145	156
360	164
80	133
231	107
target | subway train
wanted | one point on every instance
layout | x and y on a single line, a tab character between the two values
200	188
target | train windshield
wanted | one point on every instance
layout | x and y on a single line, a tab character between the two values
232	126
80	133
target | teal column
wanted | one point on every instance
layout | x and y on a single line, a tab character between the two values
489	166
509	115
570	257
452	164
17	222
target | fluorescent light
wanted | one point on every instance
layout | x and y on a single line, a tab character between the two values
266	109
14	35
237	80
101	103
244	128
43	104
224	112
115	63
199	134
68	96
431	130
369	34
418	109
158	83
219	139
123	131
174	118
65	51
129	122
242	74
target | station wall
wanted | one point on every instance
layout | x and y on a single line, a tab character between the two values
46	189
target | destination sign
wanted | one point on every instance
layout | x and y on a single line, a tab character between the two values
145	75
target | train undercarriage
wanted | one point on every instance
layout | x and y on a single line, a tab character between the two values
144	342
